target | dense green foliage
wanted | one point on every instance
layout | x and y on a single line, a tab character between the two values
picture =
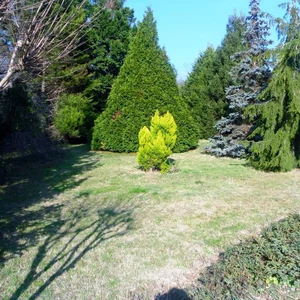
156	144
17	111
87	71
197	91
146	82
23	120
204	89
278	114
93	67
248	268
250	77
74	116
278	126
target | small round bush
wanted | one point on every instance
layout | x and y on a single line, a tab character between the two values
156	144
74	116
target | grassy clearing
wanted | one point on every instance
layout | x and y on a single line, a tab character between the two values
93	225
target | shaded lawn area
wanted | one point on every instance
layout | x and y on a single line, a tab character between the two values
92	225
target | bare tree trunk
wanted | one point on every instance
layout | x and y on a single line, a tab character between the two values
14	66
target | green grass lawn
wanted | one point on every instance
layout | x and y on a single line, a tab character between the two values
93	226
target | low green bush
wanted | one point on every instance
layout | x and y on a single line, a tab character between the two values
74	116
156	144
269	262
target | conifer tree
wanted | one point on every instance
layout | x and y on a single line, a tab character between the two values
250	76
89	71
278	114
196	92
146	82
223	63
157	143
204	88
93	67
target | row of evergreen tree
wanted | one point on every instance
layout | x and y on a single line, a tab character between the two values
262	95
241	94
121	87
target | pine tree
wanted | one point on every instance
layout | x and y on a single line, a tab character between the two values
250	76
204	88
146	82
89	71
278	114
106	46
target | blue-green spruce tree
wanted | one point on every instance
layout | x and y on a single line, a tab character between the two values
251	76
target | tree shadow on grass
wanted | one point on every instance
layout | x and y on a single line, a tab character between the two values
27	189
173	294
67	242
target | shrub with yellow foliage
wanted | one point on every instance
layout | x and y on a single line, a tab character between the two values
157	143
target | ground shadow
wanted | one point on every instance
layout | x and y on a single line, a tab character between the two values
68	241
60	234
27	182
173	294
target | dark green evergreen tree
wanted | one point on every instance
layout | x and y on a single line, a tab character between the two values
89	71
146	82
223	63
251	76
278	114
204	89
109	42
197	93
92	69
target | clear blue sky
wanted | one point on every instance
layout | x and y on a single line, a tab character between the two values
187	27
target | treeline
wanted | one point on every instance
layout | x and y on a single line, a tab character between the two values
85	71
249	106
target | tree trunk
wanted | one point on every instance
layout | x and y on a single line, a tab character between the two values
15	65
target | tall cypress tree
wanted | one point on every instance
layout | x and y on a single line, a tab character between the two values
278	114
250	76
197	93
204	88
146	82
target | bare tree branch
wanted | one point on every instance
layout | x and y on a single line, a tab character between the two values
38	30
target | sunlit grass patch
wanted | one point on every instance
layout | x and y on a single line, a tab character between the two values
93	225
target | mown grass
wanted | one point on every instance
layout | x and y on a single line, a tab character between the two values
93	226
